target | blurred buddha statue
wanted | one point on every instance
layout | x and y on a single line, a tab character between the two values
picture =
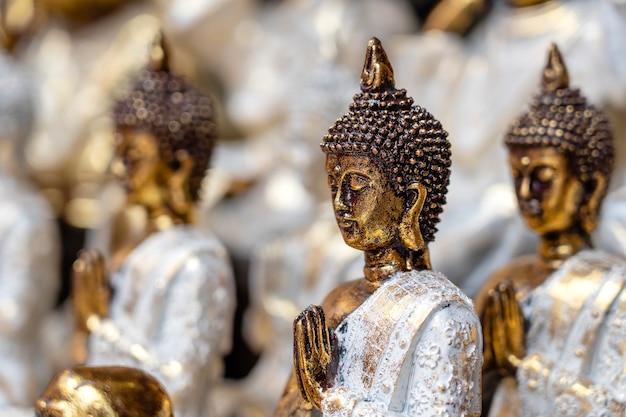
172	299
103	392
477	84
29	252
403	340
553	319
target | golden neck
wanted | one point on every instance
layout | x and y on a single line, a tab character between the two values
555	248
382	264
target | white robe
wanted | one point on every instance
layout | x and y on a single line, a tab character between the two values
575	364
171	315
29	283
413	348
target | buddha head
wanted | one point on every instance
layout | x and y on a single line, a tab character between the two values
103	392
561	154
387	163
163	126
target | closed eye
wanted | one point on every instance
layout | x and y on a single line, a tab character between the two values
358	182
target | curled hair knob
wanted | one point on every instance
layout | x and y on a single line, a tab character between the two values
159	54
377	74
555	74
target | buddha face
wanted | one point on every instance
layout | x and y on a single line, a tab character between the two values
137	164
367	210
549	196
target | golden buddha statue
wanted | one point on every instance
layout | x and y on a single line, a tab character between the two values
547	317
103	392
402	340
174	292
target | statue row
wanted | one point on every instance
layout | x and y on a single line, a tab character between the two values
544	339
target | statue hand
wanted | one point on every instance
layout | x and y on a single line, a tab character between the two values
315	354
90	287
503	327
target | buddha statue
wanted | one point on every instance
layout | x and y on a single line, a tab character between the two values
552	319
29	255
114	391
402	340
171	313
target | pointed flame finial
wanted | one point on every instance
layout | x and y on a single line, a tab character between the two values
159	56
555	74
377	73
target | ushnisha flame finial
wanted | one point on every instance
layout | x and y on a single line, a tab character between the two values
377	73
555	74
159	56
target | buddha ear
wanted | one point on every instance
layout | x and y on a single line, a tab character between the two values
410	233
178	182
589	211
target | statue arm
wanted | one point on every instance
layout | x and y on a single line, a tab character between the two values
194	325
29	269
447	364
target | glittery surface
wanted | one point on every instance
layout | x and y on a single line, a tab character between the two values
575	363
413	348
171	315
29	258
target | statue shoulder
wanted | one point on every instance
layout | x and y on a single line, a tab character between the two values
435	287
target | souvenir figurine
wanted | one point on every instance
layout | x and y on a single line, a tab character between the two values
403	340
174	291
553	319
29	255
114	391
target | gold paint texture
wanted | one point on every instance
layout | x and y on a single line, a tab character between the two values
103	392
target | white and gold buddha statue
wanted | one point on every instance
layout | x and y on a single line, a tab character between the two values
554	320
403	340
170	303
29	250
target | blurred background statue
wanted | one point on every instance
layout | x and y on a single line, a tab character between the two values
478	84
567	358
173	290
29	249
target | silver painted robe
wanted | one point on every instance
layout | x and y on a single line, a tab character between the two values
171	315
575	364
413	348
29	283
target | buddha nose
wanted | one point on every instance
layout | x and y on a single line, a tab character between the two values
340	200
523	190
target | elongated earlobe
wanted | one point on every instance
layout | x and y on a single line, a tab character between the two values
589	212
410	233
178	195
